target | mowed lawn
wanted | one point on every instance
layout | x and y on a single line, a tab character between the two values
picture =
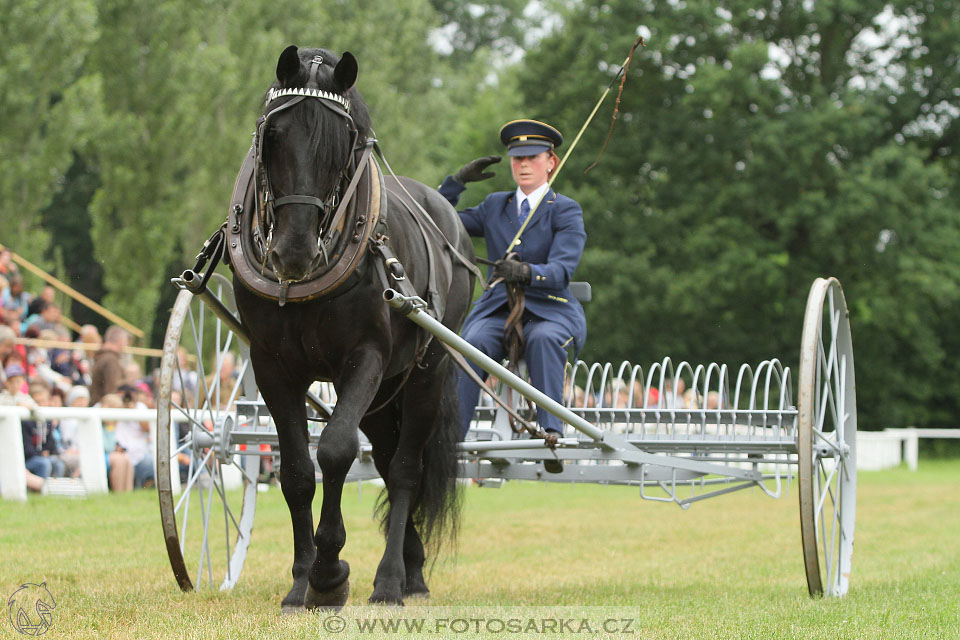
533	553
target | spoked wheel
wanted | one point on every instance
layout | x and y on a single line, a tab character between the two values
208	519
827	439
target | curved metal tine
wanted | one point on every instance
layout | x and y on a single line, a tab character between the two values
636	373
645	393
693	387
751	403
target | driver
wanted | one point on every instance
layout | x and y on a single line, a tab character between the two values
541	263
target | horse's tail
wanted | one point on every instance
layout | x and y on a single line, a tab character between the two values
436	511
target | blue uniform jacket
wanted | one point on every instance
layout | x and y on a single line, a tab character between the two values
552	244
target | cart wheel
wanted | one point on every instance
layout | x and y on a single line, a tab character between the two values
827	439
207	526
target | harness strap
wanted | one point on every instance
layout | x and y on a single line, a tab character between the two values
351	188
317	202
431	224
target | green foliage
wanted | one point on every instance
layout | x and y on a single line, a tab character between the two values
46	102
760	145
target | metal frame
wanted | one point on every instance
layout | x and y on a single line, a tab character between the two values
753	436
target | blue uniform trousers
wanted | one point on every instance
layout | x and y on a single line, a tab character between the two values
546	356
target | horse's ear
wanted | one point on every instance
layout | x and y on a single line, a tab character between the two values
288	66
345	74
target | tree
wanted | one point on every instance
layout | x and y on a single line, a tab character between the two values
48	103
759	146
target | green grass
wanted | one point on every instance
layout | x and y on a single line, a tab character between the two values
726	568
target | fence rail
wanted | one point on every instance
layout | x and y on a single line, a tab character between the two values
876	449
93	466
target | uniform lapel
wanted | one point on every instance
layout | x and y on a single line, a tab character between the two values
543	211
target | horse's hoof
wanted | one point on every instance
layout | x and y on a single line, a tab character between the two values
330	600
387	597
292	609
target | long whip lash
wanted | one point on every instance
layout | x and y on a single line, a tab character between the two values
616	105
623	76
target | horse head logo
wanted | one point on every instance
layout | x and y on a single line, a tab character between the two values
30	609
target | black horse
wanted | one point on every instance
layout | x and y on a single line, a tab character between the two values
392	383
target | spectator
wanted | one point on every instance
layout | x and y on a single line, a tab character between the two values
144	394
13	392
7	266
186	378
219	385
82	357
134	438
119	469
46	297
39	444
7	346
78	396
673	397
107	374
15	298
49	318
714	400
132	373
35	482
40	367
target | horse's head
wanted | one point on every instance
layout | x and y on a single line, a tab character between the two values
311	123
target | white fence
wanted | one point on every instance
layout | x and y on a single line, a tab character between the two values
876	450
889	448
89	437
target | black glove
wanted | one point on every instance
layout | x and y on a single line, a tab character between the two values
473	171
512	271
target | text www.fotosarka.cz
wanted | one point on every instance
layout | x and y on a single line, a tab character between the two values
447	623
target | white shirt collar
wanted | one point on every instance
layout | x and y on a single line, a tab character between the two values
534	197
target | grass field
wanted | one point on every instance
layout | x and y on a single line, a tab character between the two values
538	554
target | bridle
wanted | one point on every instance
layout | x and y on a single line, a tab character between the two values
266	200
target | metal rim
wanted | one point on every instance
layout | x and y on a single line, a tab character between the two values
827	437
207	527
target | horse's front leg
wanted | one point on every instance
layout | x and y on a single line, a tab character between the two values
297	478
339	442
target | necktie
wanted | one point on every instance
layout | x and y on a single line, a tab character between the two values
524	210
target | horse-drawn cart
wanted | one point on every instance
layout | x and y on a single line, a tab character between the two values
739	430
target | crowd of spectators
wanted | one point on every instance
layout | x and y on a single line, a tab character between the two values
62	367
